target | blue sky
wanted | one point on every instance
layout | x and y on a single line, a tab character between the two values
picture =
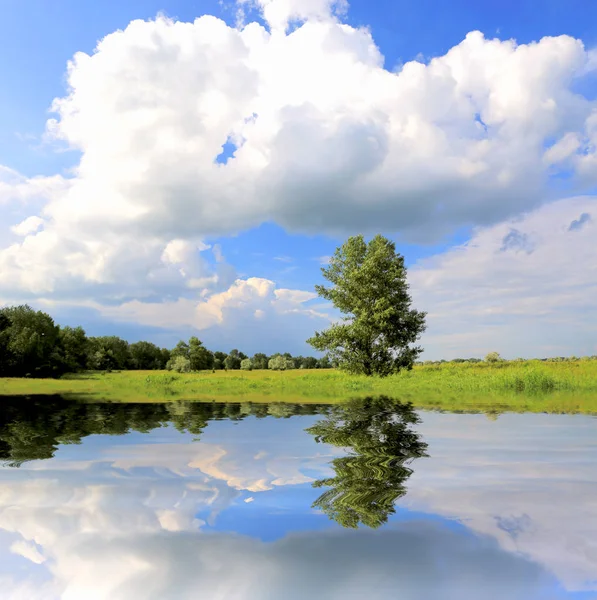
447	158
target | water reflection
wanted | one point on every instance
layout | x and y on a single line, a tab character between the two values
376	432
214	501
381	442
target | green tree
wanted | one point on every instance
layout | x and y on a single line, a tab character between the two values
381	444
30	342
200	357
259	361
324	363
108	352
146	356
493	357
309	362
369	286
246	364
219	358
74	344
277	363
232	361
181	349
180	364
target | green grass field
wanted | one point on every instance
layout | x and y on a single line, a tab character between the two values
530	386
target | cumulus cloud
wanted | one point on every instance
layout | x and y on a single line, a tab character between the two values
325	139
523	287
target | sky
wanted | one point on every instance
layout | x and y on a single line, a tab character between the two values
156	516
170	169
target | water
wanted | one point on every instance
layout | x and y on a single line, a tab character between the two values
273	501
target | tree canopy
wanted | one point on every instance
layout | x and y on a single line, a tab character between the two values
369	287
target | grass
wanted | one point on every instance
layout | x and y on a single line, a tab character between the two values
529	386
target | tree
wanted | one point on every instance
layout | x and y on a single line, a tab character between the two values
181	349
30	343
232	361
309	362
493	357
324	363
200	357
369	286
108	352
219	358
280	363
146	356
180	364
377	433
246	364
74	344
259	361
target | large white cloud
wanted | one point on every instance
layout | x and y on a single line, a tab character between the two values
326	139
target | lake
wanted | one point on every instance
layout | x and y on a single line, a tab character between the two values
368	499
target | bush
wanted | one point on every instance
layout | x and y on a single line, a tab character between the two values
180	364
246	364
493	357
278	363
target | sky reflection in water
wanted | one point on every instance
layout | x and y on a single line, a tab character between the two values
226	501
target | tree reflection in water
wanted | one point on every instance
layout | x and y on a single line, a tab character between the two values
377	434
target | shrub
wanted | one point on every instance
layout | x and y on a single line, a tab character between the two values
246	364
180	364
493	357
278	363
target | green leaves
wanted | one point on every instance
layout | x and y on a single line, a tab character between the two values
369	286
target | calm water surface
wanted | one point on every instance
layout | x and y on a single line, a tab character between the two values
365	500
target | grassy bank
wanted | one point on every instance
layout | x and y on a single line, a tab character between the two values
533	386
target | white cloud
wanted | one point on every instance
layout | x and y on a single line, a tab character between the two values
29	225
327	140
279	13
523	287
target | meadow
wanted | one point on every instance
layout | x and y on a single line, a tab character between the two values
505	386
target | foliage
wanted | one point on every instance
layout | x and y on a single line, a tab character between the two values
368	481
369	286
280	363
492	357
147	356
259	361
180	364
199	356
246	364
30	343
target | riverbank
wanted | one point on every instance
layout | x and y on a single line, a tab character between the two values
529	386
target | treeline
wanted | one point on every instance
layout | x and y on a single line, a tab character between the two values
491	359
32	345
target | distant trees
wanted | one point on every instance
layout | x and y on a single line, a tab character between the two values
200	357
369	287
146	356
493	357
180	364
259	361
29	343
32	345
